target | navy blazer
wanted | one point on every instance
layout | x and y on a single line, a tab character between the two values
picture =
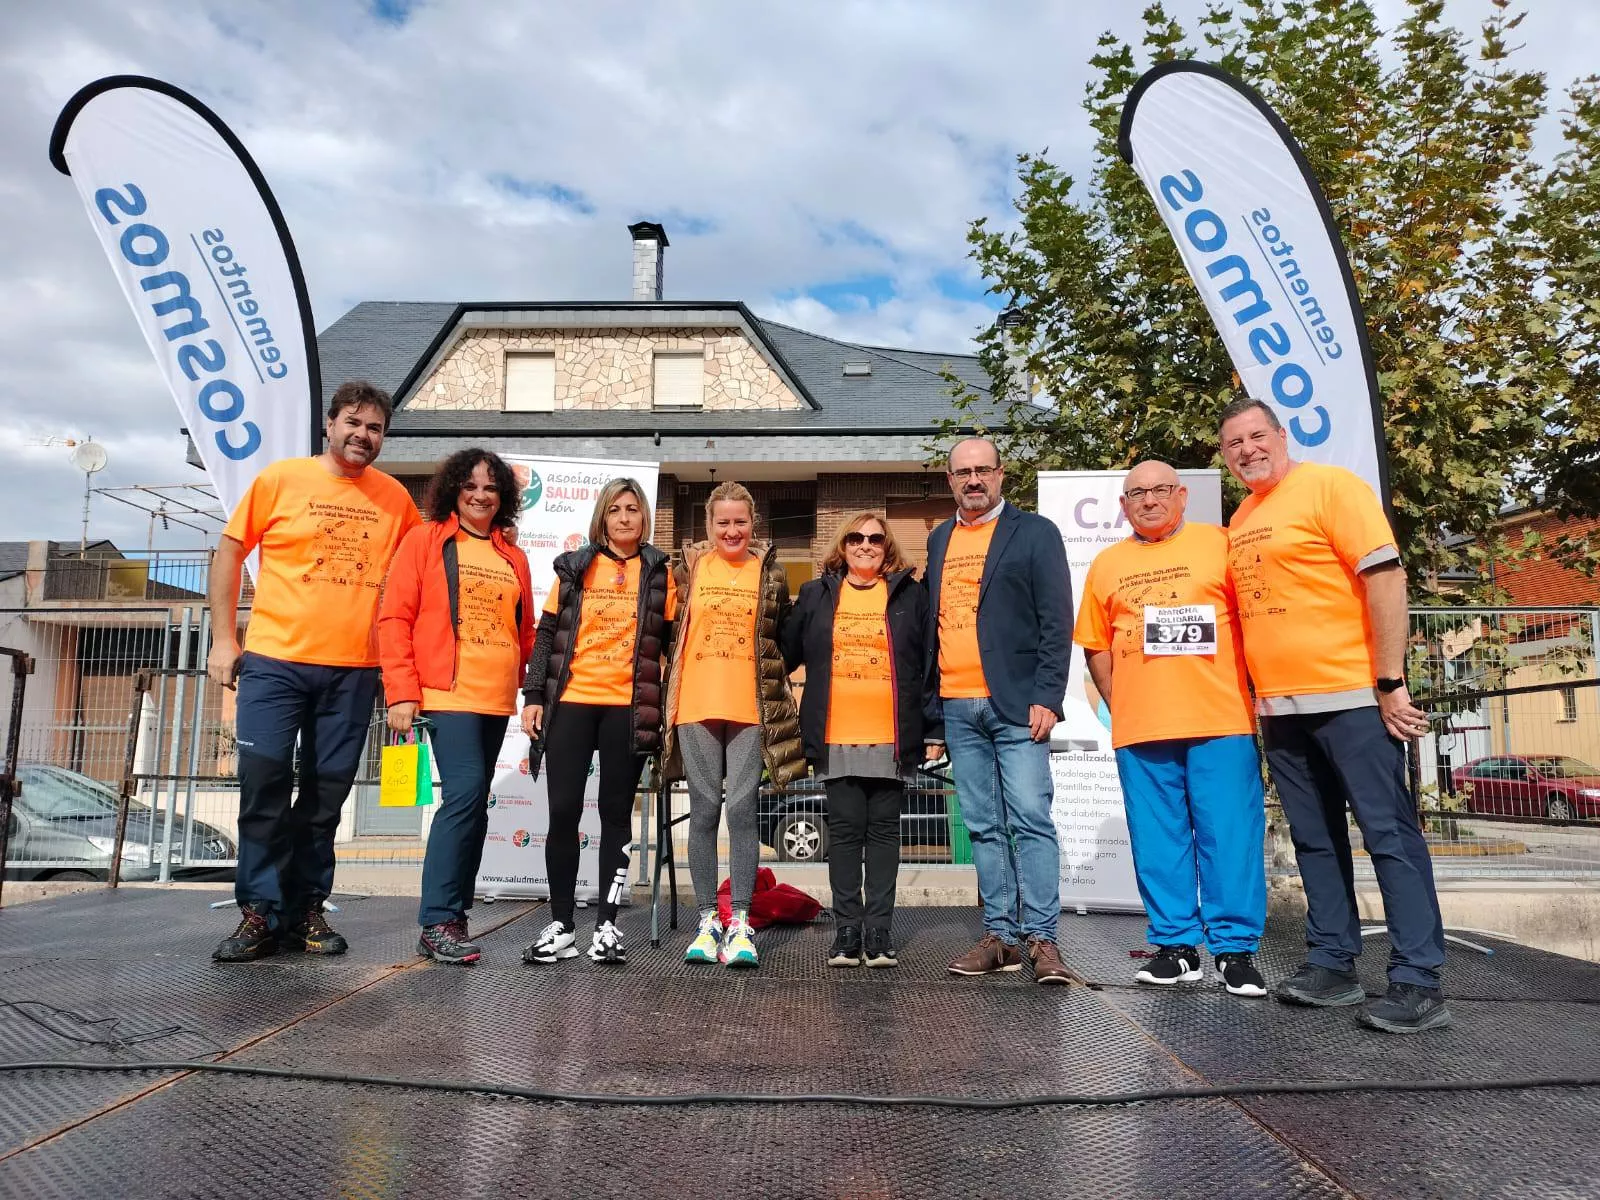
1024	613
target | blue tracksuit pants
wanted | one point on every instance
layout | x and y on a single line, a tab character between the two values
1197	821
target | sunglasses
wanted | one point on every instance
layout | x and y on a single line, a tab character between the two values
856	537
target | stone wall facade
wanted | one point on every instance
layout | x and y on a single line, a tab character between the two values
604	369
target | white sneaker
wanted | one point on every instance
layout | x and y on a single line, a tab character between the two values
555	942
606	945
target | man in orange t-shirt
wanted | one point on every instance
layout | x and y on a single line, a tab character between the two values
999	634
326	528
1322	610
1157	626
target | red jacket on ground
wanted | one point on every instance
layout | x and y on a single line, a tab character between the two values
416	636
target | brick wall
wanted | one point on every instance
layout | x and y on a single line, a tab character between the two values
666	513
840	495
1541	580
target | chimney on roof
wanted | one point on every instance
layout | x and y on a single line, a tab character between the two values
1019	384
649	241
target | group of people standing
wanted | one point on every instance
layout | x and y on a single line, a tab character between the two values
635	655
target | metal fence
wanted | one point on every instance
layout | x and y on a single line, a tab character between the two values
1512	692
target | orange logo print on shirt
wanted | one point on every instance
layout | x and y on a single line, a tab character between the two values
482	600
1249	574
341	546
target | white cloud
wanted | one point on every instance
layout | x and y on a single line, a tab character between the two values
781	126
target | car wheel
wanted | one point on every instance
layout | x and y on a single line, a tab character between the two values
1557	807
74	877
802	837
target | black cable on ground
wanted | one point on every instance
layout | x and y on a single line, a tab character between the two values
1082	1100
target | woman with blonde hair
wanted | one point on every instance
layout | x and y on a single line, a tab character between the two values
729	710
861	631
594	685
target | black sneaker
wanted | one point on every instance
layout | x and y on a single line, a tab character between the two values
1172	964
846	950
1321	987
1408	1008
880	949
1239	974
448	943
252	940
314	935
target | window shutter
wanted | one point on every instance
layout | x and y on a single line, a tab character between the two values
530	383
679	380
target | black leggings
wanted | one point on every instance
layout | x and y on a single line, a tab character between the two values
572	736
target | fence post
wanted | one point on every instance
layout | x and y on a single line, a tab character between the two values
141	685
196	727
164	872
21	668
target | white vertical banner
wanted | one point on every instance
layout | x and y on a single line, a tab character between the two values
558	498
1091	824
1256	233
204	256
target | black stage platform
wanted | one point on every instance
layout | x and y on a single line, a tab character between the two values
123	977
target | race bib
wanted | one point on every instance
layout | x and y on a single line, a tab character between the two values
1189	629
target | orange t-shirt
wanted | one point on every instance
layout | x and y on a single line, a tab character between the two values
960	668
488	651
1293	558
325	542
861	688
608	627
719	653
1156	694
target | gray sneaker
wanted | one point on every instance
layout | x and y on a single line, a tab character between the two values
1408	1008
1321	987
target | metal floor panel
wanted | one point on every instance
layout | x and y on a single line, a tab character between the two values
243	1137
1228	1039
159	923
594	1029
139	962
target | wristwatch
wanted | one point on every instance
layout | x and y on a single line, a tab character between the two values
1390	683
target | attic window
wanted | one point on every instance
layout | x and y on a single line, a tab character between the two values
857	367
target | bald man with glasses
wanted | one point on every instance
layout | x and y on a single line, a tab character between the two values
1159	628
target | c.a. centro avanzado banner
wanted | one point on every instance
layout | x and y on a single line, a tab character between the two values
558	498
204	256
1091	825
1258	238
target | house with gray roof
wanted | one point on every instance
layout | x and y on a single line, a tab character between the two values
814	426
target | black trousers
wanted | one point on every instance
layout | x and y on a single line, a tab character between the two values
575	733
863	830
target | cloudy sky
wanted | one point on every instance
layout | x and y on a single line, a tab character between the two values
818	160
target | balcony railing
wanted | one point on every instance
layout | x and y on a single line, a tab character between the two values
161	576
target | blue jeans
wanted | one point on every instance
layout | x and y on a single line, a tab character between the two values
1197	820
1003	778
465	745
286	854
1321	762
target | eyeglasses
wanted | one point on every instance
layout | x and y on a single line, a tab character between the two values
1161	491
856	537
965	473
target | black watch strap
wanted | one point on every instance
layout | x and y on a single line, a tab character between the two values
1390	683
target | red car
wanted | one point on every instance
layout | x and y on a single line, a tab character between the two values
1531	785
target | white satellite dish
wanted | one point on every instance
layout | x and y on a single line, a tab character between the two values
89	457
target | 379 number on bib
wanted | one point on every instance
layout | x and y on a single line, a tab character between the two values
1189	629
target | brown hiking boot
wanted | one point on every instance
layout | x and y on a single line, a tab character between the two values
988	956
1047	964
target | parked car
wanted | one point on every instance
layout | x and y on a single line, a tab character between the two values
64	826
794	821
1531	785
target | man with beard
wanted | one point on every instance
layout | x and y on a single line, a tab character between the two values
326	528
1000	620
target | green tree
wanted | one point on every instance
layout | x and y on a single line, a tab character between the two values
1424	154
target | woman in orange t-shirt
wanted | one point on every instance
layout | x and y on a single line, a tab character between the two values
861	631
454	631
594	687
729	711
